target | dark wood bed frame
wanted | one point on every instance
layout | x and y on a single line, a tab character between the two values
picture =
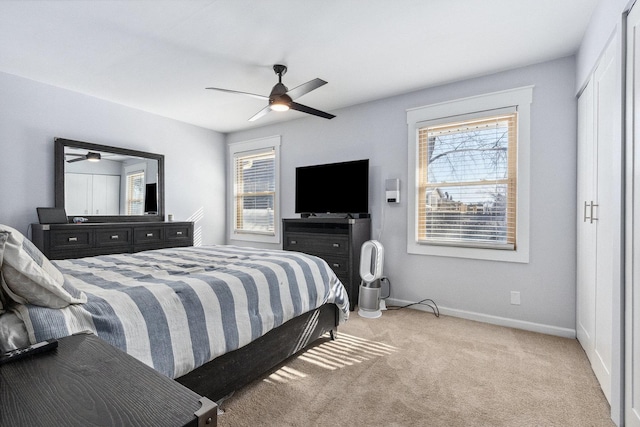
222	376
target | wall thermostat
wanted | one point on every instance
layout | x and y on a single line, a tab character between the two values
392	190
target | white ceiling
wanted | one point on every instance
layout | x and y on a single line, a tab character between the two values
158	56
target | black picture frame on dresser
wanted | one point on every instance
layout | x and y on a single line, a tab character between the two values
59	157
336	240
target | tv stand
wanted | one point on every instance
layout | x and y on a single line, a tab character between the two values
337	240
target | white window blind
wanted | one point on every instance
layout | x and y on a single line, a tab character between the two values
135	193
467	171
255	191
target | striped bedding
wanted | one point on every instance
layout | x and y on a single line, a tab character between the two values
176	309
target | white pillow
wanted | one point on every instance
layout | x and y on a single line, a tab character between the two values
3	239
29	277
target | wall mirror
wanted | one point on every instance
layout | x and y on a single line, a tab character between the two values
108	184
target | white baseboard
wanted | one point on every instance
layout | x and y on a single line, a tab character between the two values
494	320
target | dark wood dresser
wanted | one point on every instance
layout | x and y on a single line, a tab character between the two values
336	240
87	382
61	241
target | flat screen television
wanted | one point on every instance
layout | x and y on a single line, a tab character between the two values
333	188
151	199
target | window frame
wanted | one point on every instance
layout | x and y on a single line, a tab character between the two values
253	146
521	99
131	177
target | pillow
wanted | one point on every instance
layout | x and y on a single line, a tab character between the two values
3	238
29	277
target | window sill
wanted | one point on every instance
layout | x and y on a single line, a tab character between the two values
519	255
250	237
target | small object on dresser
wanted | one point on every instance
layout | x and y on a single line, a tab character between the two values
170	217
33	349
79	220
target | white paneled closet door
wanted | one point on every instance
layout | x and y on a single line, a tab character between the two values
632	273
599	222
587	226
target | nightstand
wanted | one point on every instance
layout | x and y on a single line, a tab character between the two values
87	382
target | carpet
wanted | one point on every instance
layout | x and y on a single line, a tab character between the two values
409	368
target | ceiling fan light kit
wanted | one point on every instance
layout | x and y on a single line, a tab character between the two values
281	98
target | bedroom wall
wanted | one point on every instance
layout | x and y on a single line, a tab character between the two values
468	288
32	114
605	20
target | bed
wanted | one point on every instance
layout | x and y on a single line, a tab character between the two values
212	317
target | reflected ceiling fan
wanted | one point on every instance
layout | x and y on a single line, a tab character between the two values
281	98
90	156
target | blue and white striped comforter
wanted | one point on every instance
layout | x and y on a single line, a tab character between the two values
176	309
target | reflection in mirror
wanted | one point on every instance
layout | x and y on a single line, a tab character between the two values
107	182
112	184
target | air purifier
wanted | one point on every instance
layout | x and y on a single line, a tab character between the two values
371	262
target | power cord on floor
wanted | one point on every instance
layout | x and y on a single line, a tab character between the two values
433	307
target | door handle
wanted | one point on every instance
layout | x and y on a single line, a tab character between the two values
592	218
584	215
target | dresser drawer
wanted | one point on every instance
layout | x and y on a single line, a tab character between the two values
71	239
113	237
339	265
147	235
178	233
317	243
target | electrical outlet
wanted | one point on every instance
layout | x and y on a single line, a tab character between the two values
515	297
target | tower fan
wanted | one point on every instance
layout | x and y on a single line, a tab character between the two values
371	261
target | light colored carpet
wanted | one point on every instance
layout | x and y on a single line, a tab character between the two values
409	368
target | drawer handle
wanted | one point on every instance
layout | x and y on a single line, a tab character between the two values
293	242
179	233
73	239
149	234
336	245
336	265
116	237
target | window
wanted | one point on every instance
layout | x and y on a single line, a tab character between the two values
135	193
467	182
470	168
254	208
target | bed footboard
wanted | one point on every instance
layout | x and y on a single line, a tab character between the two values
229	372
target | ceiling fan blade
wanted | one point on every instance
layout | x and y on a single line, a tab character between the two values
260	113
309	110
305	88
253	95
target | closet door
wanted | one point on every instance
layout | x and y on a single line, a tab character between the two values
599	224
587	230
632	297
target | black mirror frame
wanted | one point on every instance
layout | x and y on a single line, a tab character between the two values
61	143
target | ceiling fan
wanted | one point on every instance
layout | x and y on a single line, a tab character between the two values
90	156
281	98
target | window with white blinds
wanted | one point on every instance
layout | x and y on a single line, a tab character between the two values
135	193
254	176
467	171
469	177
